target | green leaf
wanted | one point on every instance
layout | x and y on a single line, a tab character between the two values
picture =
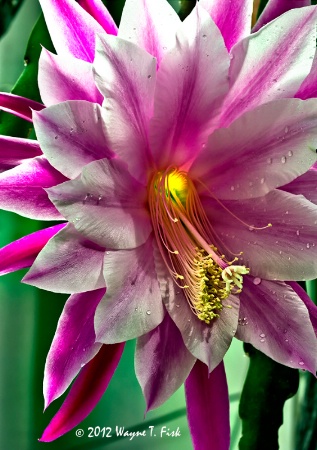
268	385
8	9
186	7
115	9
26	86
306	435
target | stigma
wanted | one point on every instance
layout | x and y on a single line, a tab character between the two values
185	238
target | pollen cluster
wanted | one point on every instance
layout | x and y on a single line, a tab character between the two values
183	234
210	289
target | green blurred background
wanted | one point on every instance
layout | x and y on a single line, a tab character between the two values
28	319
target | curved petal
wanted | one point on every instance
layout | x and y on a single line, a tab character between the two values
250	164
207	399
125	74
150	24
106	204
308	88
63	78
71	135
68	263
99	12
14	150
208	343
233	18
276	321
72	30
19	106
310	305
73	345
162	363
22	253
133	299
284	251
22	189
271	63
86	392
275	8
305	185
186	100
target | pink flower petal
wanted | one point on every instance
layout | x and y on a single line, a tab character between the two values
71	135
207	401
162	362
275	8
73	345
19	106
310	305
285	251
22	189
86	392
233	18
282	338
14	150
133	299
22	253
272	63
208	343
72	29
100	205
308	88
150	24
125	74
186	100
99	12
305	185
250	164
64	78
69	263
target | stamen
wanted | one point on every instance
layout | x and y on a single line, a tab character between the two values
180	223
231	213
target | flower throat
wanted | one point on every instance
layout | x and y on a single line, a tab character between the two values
182	232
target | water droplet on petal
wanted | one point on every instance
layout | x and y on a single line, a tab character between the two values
82	365
269	160
297	232
262	340
286	129
232	188
262	335
301	363
283	160
308	245
204	35
136	309
290	153
149	76
148	312
257	281
262	180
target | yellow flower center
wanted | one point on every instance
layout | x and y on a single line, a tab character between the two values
183	234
